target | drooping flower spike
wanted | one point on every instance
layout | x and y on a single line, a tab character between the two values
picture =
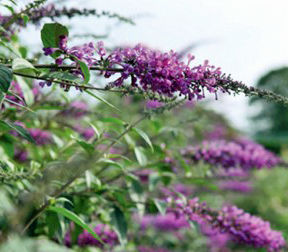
242	227
232	154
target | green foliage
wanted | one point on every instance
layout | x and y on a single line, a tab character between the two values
50	35
5	78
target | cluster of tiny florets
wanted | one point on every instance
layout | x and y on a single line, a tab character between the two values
232	154
240	226
163	73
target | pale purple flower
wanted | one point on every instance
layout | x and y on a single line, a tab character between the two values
107	235
20	155
41	137
240	226
86	133
238	186
167	223
236	154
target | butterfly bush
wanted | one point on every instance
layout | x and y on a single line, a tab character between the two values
147	69
242	227
227	154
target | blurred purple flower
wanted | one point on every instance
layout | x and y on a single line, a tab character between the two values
41	137
107	235
246	155
238	186
20	155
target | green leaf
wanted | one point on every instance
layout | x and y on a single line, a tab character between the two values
135	184
102	100
6	142
2	97
26	89
140	156
19	105
119	223
144	136
20	130
62	76
202	182
109	161
113	120
86	146
85	70
21	65
161	206
95	130
75	218
50	35
25	19
5	78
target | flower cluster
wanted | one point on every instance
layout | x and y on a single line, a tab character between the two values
238	186
88	53
106	234
168	222
41	137
20	155
163	73
233	154
249	229
240	226
86	133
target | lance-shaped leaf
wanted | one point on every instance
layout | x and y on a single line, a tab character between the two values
5	78
144	136
85	70
4	125
119	223
75	218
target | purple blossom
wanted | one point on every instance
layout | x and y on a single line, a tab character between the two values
240	226
167	223
48	50
107	235
237	154
163	73
86	133
19	98
20	155
144	175
238	186
41	137
249	229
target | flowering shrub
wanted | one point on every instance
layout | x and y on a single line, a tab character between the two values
115	158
